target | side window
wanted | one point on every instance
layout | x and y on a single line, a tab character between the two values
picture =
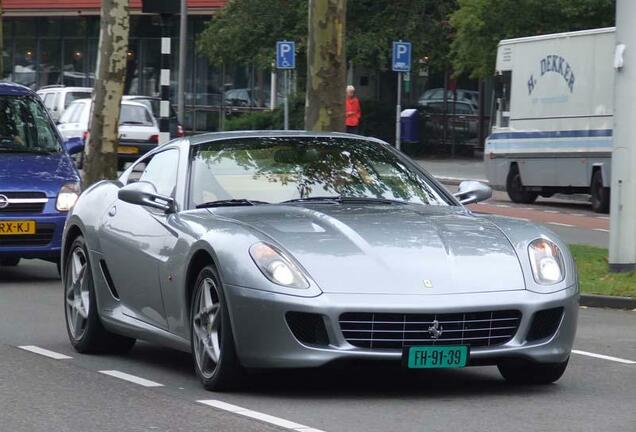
161	171
49	98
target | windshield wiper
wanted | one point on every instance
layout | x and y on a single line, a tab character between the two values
231	203
344	199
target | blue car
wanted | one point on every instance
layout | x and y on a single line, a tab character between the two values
38	180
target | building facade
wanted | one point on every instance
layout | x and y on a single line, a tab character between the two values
56	43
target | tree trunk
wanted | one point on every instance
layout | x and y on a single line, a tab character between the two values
101	151
1	43
326	66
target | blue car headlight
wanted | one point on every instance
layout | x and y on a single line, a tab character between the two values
67	197
277	267
546	261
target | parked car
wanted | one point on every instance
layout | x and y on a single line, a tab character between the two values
294	249
461	95
58	98
38	182
153	103
138	129
461	116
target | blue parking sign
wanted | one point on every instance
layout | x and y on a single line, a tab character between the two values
401	56
285	55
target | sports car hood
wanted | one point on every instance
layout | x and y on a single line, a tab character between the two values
36	173
390	249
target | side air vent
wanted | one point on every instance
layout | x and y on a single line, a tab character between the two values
308	328
544	324
108	278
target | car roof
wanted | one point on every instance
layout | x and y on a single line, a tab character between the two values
12	89
216	136
64	89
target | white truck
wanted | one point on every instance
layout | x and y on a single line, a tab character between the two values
552	132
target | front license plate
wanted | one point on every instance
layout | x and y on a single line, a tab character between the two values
436	357
127	150
17	227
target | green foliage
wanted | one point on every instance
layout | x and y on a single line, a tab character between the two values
269	120
595	277
246	31
480	25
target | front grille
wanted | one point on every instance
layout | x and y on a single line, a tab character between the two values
13	208
395	331
42	237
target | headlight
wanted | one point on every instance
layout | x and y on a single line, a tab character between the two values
546	261
67	197
277	267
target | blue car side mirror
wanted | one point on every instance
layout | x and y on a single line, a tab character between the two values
74	145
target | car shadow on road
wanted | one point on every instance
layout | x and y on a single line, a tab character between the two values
365	379
29	271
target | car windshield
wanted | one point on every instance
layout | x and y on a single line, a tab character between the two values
276	170
25	127
72	96
134	115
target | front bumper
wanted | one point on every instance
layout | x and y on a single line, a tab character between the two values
264	340
46	244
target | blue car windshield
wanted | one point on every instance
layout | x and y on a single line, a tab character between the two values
292	169
25	127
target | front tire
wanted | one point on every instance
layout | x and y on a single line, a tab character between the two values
83	325
600	194
516	190
523	372
212	342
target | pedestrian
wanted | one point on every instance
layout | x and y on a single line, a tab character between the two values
353	112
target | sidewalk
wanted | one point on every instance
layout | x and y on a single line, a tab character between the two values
452	171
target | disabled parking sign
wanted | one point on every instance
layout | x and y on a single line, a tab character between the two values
401	56
285	55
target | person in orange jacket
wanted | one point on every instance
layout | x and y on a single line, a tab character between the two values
352	110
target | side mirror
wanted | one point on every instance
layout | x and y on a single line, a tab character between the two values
498	86
74	145
144	194
473	191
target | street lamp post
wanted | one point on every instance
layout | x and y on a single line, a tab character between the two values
622	251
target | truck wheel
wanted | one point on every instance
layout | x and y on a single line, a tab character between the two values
600	194
516	190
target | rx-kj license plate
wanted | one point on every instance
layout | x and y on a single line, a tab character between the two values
436	357
127	150
17	227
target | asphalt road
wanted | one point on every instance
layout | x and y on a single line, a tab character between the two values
571	217
38	393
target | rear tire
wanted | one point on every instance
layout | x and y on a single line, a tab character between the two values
600	194
83	325
9	262
516	191
212	341
525	372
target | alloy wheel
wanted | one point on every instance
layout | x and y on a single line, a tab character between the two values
206	327
77	293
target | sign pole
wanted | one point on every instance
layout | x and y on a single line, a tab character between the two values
286	99
398	126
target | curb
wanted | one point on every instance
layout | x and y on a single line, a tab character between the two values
601	301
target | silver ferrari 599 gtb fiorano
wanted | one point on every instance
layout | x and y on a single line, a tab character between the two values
292	249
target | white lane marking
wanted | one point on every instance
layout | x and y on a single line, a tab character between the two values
131	378
502	205
604	357
602	217
258	415
577	214
561	224
44	352
601	230
551	211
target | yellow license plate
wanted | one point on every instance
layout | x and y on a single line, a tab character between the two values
17	227
127	150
